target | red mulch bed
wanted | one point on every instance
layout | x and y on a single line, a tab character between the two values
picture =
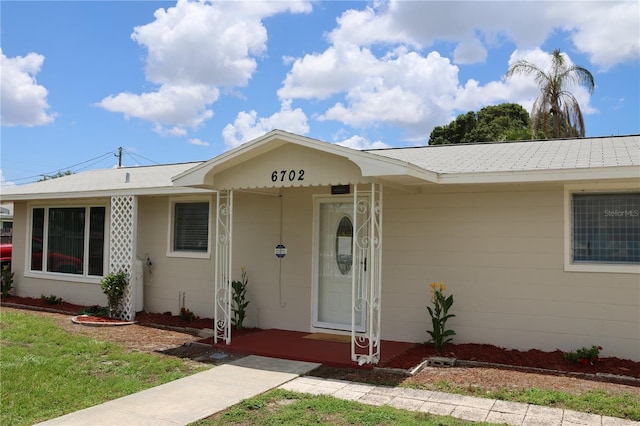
465	351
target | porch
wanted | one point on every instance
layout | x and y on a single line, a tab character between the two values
326	349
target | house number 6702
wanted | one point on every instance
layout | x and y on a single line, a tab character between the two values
289	175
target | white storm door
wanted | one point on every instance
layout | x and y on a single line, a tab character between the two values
334	266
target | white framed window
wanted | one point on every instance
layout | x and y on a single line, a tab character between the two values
602	229
190	228
67	241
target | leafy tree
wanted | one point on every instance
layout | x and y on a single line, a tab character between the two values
57	175
556	112
494	123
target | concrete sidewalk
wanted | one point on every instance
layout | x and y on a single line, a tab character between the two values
198	396
192	398
460	406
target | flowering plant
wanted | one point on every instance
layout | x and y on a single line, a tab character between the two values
439	316
584	356
187	314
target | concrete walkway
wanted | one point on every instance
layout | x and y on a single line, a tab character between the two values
191	398
198	396
460	406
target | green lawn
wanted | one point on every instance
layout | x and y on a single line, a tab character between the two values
47	372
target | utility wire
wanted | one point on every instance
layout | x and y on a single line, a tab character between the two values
62	168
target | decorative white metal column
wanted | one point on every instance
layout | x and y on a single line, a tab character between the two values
122	246
367	276
222	303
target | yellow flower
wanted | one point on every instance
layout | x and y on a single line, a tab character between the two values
434	285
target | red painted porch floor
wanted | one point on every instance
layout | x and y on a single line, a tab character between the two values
292	345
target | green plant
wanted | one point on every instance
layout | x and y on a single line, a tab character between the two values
187	314
51	299
114	285
96	310
585	356
7	281
239	299
439	316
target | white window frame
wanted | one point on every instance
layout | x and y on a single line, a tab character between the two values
606	188
185	253
61	276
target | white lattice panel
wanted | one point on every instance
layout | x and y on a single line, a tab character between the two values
122	247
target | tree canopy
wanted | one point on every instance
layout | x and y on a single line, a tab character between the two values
556	112
495	123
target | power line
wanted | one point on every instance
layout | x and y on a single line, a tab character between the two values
62	168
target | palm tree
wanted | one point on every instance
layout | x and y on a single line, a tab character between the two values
556	111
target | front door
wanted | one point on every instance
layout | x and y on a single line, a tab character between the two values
334	266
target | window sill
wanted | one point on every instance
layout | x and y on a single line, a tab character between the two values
189	254
56	276
602	267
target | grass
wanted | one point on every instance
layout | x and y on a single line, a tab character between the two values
48	372
280	407
624	405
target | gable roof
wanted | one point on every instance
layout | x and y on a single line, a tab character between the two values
370	164
147	180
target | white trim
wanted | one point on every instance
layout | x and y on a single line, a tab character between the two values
60	276
609	188
183	253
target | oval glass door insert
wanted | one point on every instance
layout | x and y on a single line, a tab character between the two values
344	245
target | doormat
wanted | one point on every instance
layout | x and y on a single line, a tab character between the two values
340	338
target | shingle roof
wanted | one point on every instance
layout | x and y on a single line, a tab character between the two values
569	154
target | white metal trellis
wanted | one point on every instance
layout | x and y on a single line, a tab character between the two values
367	277
222	303
122	246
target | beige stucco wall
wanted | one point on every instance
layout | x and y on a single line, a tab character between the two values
500	252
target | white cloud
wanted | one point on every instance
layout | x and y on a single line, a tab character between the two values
248	125
194	49
198	142
374	72
361	143
176	106
23	100
5	184
402	89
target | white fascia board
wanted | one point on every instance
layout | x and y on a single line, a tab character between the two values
106	194
604	173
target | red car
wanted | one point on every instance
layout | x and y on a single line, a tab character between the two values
5	254
57	262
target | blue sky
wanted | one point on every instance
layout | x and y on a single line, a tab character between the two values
185	81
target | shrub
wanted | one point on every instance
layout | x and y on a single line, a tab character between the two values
51	299
187	315
7	281
114	285
585	356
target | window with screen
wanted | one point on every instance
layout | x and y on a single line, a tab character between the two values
606	228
